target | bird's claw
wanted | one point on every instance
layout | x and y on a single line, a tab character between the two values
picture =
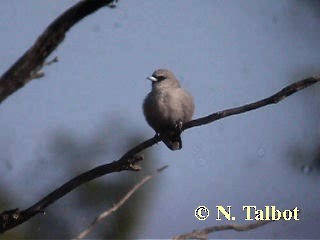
157	136
178	126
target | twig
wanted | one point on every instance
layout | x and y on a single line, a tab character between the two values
118	204
35	74
54	60
24	69
14	217
203	233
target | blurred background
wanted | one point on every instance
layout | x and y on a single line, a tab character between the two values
86	111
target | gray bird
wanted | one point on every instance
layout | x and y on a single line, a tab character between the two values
167	107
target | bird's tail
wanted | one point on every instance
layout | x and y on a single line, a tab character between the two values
173	140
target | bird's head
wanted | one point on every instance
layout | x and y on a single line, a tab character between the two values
163	78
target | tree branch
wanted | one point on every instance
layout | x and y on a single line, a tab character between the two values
203	233
14	217
22	71
275	98
105	214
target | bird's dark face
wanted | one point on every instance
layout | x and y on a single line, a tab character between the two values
163	78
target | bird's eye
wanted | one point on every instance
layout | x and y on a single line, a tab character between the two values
160	78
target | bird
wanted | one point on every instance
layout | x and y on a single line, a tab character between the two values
167	107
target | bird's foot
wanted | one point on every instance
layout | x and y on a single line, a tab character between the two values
178	126
157	136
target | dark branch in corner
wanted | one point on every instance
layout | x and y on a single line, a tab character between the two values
12	218
24	69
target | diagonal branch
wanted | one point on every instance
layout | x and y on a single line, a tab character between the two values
105	214
275	98
21	72
203	233
14	217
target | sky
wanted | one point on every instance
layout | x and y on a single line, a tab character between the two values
226	53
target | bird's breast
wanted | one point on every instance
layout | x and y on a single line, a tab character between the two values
163	109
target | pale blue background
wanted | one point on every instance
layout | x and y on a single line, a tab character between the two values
227	53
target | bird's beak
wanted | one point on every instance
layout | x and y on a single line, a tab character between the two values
153	79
